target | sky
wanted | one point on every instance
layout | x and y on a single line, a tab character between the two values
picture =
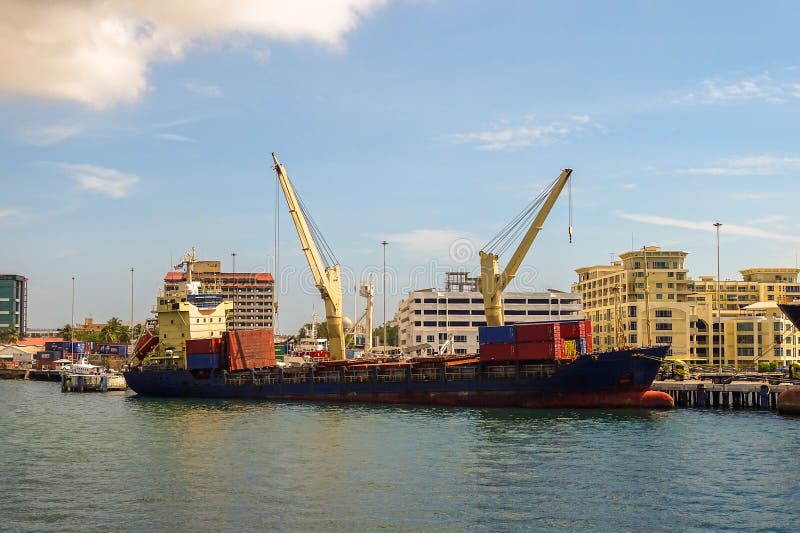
132	131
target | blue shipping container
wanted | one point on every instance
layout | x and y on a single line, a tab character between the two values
497	335
202	361
52	346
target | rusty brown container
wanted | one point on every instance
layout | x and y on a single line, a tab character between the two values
249	348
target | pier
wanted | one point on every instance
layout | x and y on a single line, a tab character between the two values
733	395
92	382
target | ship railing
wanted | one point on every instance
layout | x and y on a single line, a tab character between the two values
238	380
395	376
501	372
461	374
295	378
266	380
540	371
356	377
327	377
428	374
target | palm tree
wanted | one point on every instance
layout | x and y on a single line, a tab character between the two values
9	336
66	332
113	331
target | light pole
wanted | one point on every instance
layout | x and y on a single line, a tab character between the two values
720	343
72	318
384	243
233	310
131	332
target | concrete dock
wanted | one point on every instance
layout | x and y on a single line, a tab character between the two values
733	395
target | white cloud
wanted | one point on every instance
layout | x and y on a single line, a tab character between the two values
581	119
629	186
759	165
49	134
98	52
727	229
175	138
436	243
9	212
514	137
765	87
105	181
208	91
745	195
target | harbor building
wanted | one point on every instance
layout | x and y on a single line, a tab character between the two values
251	293
647	297
639	300
428	318
14	302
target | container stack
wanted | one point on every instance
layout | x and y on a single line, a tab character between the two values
535	341
203	354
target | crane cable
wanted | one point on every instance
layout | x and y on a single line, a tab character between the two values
513	231
569	193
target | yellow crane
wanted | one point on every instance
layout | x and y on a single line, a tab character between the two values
493	282
326	276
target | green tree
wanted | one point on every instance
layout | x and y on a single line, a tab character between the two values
391	335
66	332
322	330
114	331
9	336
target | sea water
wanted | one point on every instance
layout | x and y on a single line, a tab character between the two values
118	462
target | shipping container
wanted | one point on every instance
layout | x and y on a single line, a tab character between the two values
201	346
249	348
575	329
204	361
52	346
498	352
496	335
120	350
48	355
280	349
538	332
588	340
581	345
540	351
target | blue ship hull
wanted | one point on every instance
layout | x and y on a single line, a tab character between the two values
613	379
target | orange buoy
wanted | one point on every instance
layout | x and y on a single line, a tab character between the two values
789	401
653	399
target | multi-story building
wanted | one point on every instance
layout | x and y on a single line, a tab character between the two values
431	317
14	302
252	293
648	298
639	300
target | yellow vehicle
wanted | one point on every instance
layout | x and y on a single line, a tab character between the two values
675	369
794	370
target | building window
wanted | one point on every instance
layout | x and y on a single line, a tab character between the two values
663	340
459	338
664	313
430	338
663	326
418	339
632	338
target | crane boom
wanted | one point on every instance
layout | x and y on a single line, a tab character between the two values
327	279
492	281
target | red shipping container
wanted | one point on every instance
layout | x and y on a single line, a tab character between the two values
203	346
575	329
539	351
249	348
589	343
498	352
538	332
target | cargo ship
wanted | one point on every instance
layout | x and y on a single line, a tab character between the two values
188	351
791	308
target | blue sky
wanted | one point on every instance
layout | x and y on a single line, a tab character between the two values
132	131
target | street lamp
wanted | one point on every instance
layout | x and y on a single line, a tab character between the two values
72	318
131	332
233	310
720	343
384	243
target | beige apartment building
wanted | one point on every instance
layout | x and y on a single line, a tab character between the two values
251	292
647	297
641	299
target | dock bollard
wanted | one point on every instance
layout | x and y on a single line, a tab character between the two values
764	394
701	395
